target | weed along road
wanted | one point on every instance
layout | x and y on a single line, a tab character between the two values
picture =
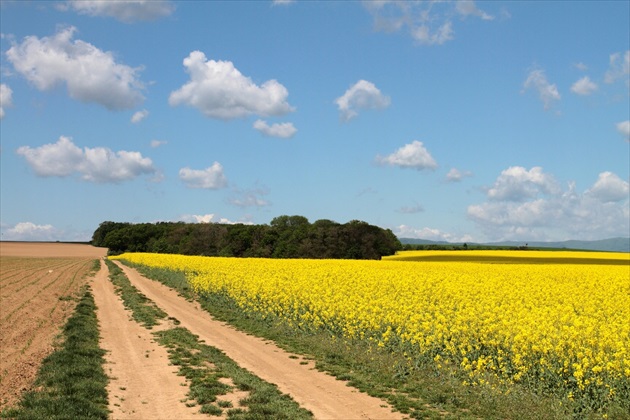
325	396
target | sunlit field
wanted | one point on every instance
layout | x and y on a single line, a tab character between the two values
555	322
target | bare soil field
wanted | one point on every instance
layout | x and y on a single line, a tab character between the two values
37	284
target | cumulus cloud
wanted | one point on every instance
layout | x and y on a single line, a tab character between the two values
281	130
619	68
28	231
139	116
517	184
623	128
98	164
430	234
609	188
545	213
126	11
90	74
219	90
211	178
455	175
362	95
428	23
6	98
585	86
413	155
282	2
210	218
547	92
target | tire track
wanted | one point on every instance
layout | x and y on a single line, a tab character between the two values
142	384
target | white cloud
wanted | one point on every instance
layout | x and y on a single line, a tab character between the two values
125	11
210	178
609	188
282	130
517	184
158	143
413	155
547	92
623	128
556	214
98	164
428	23
6	98
423	34
28	231
282	2
619	68
469	8
210	218
430	234
91	75
585	86
219	90
362	95
139	116
455	175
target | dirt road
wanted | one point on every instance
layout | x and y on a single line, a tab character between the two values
323	395
142	384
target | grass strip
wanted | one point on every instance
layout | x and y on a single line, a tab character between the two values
71	383
204	366
143	310
416	388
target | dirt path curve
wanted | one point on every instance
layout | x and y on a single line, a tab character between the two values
323	395
143	385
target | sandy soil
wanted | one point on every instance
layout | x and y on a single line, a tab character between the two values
142	385
323	395
35	302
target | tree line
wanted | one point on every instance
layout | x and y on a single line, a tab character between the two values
283	237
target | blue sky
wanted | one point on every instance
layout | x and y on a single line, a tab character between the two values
458	121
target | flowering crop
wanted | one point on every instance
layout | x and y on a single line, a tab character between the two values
560	327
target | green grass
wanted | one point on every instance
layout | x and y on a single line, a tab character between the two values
143	310
204	365
416	388
71	383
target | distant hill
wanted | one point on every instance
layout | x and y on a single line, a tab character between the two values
611	244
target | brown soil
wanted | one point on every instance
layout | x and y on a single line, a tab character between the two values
50	249
142	383
325	396
36	298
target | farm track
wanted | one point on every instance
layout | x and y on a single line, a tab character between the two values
325	396
142	383
36	298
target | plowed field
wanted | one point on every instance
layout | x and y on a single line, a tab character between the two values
38	282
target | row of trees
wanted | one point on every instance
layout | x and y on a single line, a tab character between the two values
284	237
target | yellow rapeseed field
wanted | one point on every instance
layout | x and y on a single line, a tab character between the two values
557	324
